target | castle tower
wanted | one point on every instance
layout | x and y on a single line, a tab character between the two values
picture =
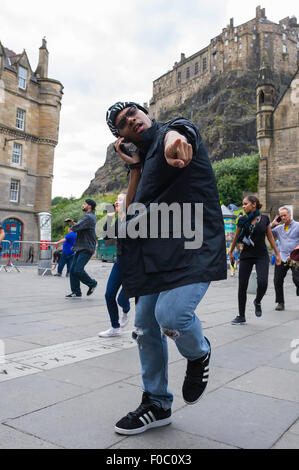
265	93
42	67
50	93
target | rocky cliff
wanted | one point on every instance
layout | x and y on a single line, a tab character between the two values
224	111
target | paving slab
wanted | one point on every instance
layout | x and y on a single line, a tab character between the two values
251	400
85	422
288	441
238	418
28	394
85	375
171	439
276	383
237	357
12	439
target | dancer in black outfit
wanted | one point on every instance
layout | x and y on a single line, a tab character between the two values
251	232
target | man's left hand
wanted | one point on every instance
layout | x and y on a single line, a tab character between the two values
178	152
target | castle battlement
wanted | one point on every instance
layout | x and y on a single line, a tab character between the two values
242	47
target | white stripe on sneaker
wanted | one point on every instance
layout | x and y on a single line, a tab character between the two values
152	416
147	418
144	422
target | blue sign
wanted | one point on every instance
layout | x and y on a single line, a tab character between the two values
13	229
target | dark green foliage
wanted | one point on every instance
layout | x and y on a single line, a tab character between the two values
72	208
236	175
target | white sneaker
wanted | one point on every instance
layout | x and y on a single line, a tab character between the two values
109	333
124	320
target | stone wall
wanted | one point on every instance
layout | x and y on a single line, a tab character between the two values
241	47
283	167
41	101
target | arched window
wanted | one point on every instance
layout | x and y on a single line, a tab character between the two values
261	98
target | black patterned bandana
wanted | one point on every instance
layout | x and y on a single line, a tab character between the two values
113	112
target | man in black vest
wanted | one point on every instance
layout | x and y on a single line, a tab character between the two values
169	276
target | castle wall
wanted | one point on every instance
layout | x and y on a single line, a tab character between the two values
241	47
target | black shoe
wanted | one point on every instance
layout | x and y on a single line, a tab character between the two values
239	321
280	307
92	289
57	275
148	415
258	309
196	379
73	296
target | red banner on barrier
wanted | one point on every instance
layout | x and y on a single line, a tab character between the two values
45	245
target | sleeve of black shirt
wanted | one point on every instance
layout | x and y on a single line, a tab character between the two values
188	130
83	224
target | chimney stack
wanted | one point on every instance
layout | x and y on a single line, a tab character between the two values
43	62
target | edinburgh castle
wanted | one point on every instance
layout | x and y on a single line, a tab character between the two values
237	48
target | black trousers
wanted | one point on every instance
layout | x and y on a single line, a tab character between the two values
262	271
279	276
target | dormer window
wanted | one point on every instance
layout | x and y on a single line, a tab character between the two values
22	78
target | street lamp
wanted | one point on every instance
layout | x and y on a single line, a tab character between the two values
9	140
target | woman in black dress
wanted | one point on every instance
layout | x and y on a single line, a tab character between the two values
252	230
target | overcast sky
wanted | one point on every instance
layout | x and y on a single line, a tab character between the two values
103	52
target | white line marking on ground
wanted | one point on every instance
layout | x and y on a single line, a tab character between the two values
35	361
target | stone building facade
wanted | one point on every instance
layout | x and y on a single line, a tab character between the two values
30	104
278	141
236	48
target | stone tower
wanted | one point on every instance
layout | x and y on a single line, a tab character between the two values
265	93
49	112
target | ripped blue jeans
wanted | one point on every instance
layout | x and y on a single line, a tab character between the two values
168	314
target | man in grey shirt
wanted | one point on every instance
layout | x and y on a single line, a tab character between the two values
287	233
84	248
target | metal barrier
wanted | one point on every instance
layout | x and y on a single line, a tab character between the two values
16	247
8	252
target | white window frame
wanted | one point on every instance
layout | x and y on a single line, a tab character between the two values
22	77
284	49
14	191
17	153
284	36
20	121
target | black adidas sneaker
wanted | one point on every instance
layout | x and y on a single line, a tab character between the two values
148	415
196	379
